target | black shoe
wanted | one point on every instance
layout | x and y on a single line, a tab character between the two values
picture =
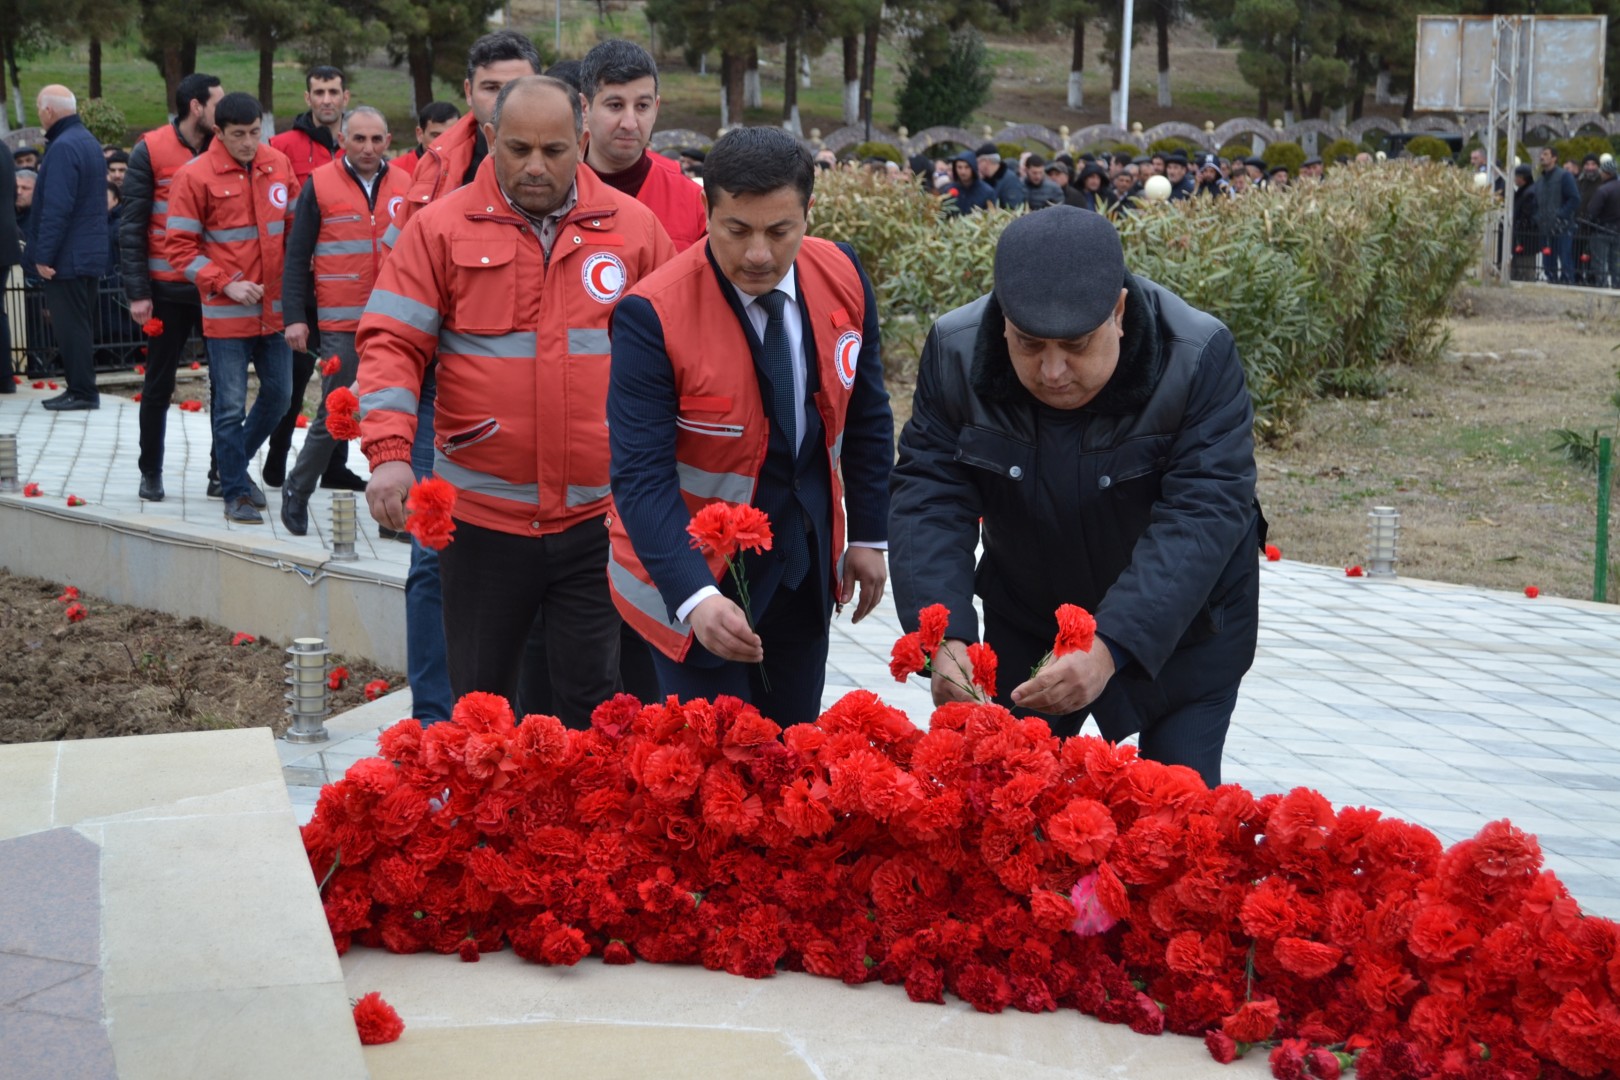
151	487
69	403
216	490
295	512
242	511
256	495
275	469
342	480
385	533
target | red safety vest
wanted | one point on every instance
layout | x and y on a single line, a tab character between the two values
348	249
723	428
677	202
168	156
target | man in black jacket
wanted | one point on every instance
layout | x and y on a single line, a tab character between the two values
1604	211
1093	432
10	255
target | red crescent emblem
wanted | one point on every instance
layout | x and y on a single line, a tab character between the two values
845	356
603	277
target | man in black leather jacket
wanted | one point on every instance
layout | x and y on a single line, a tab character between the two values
1094	433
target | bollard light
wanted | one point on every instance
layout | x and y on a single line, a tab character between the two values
8	462
306	690
1383	539
345	529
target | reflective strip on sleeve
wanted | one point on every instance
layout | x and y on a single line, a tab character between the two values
586	342
184	224
227	236
413	313
482	483
643	597
518	345
390	399
581	495
198	265
160	206
731	487
233	311
391	237
838	447
159	265
342	247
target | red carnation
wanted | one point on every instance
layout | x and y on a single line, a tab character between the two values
137	396
1288	1060
564	947
338	677
140	369
330	365
1324	1064
74	500
195	366
69	595
52	385
1308	959
32	491
469	951
931	623
342	414
1221	1046
191	406
1354	571
617	952
376	1020
1273	553
1076	630
1084	830
725	529
907	657
76	612
301	421
1531	591
376	688
983	659
152	327
430	503
242	637
39	384
1253	1022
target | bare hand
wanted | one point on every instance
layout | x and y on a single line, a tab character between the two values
297	335
386	490
244	292
1068	683
953	672
869	567
723	629
45	272
140	310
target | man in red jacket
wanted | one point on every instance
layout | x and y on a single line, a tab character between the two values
316	136
229	211
620	83
508	285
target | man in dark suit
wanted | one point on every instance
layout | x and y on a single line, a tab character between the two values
748	370
10	255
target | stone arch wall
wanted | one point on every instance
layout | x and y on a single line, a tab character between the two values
1175	129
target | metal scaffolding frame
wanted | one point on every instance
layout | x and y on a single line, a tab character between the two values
1506	48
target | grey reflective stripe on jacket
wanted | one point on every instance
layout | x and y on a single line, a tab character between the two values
482	483
520	344
731	487
643	597
342	247
413	313
391	399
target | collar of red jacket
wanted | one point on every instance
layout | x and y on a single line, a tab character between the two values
593	198
221	161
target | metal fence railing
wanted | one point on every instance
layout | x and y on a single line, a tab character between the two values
1587	255
118	341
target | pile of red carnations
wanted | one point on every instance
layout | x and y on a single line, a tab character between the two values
953	860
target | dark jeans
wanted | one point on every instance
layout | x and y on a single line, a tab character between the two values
496	583
1558	258
163	355
793	630
1606	259
636	672
238	433
71	303
8	381
319	446
303	369
425	666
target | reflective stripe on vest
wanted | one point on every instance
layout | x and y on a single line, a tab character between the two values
645	598
185	224
230	236
342	247
518	345
482	483
348	251
584	495
391	399
342	314
159	266
728	487
168	155
588	342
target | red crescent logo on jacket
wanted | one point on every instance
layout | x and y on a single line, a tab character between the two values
278	195
845	354
394	204
603	276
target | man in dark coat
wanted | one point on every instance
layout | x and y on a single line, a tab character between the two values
1006	183
1093	432
1558	201
1604	210
10	255
968	191
1526	229
67	239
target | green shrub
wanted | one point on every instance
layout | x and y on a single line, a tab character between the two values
1173	144
1236	151
1338	148
1577	148
948	91
104	120
1290	155
878	150
1427	146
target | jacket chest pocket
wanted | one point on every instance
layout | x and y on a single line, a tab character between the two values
996	454
229	202
706	414
1128	469
485	286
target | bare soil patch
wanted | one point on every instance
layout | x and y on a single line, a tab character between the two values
127	671
1463	448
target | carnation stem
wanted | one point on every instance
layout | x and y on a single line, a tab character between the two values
337	860
970	687
734	565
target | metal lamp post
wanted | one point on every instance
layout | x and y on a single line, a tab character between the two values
306	690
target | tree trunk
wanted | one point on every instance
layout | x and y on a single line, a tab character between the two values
790	84
267	78
188	57
16	79
1161	24
1077	64
869	68
852	78
95	66
753	98
420	61
733	68
173	71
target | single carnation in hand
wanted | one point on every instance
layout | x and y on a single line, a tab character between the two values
343	414
1273	553
376	1020
330	365
1076	630
152	327
431	503
983	659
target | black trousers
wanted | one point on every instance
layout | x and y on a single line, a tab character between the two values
636	672
163	355
281	438
1192	733
496	584
793	629
71	303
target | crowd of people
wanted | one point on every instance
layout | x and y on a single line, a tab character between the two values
1566	220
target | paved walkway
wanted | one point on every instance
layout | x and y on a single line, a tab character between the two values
1445	705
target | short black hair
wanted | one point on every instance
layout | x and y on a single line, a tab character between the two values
238	108
499	46
613	63
757	160
438	112
1036	161
534	82
325	73
117	156
568	72
195	87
